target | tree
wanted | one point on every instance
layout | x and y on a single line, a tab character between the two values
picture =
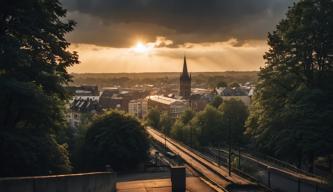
209	125
234	115
292	105
221	84
153	118
217	101
33	63
182	129
114	139
166	123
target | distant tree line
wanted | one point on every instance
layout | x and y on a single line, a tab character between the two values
213	126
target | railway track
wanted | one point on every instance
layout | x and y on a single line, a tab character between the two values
217	175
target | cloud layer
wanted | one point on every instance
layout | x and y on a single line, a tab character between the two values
119	23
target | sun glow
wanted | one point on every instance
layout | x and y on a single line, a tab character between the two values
142	48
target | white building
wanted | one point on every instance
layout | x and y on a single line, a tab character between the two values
170	105
138	107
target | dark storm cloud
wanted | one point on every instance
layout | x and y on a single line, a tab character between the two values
179	20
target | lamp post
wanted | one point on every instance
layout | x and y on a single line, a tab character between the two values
229	155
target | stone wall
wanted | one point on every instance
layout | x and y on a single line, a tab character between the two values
86	182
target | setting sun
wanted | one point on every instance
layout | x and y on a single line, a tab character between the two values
142	48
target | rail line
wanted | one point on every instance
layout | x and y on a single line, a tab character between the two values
216	174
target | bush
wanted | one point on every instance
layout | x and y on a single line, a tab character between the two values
114	139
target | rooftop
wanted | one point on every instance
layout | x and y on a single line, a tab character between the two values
164	100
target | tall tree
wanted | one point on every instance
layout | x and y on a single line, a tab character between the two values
292	106
33	63
209	125
166	123
153	118
234	115
182	129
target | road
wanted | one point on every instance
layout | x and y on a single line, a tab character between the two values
218	175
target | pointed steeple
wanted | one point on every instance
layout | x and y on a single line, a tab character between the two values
185	67
185	81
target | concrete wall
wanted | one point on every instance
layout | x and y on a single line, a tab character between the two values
87	182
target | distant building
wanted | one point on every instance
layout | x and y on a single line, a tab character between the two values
78	110
174	107
200	98
115	98
138	107
84	92
241	93
185	82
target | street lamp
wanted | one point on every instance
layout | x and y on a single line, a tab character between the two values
229	139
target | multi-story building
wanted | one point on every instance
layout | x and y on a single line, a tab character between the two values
241	93
174	107
138	107
79	110
115	98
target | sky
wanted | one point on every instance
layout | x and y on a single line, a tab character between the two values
113	36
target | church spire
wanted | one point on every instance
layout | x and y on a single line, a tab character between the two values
185	67
185	82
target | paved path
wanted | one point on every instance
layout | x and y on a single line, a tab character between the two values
218	175
193	184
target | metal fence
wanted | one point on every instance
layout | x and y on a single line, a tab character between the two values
265	175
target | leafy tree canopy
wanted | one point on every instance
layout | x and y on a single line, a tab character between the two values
33	63
292	107
234	115
114	139
153	118
208	123
221	84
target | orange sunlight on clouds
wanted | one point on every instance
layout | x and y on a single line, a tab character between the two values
159	56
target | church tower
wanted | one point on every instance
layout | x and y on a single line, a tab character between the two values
185	82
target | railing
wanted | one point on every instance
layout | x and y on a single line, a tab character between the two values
84	182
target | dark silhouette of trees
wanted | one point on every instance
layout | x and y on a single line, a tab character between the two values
292	110
114	139
33	63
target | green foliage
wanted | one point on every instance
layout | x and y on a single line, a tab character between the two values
234	115
166	123
182	129
33	62
208	123
217	101
153	118
221	84
114	139
292	107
